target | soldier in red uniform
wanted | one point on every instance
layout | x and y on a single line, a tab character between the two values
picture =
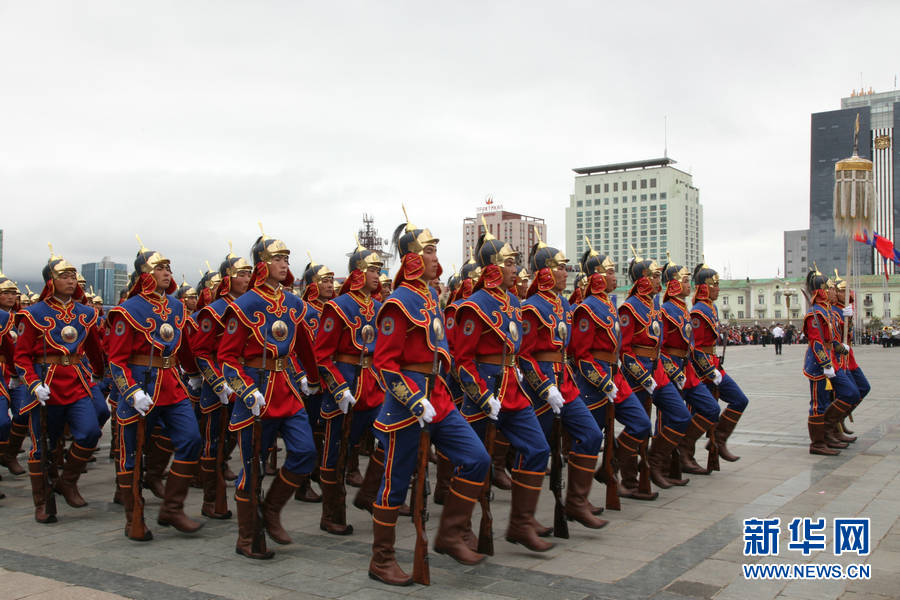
12	431
145	350
55	334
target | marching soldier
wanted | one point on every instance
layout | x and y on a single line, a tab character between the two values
549	382
846	310
705	324
822	356
188	295
264	336
595	345
486	343
55	334
145	349
677	346
408	344
641	337
215	394
344	345
13	431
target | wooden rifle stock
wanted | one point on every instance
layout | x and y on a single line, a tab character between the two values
257	469
486	528
221	505
421	572
609	472
560	524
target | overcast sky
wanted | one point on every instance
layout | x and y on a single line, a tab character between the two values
188	122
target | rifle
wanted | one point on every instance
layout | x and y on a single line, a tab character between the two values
257	469
221	505
340	515
421	572
609	446
137	476
47	485
644	474
560	525
712	460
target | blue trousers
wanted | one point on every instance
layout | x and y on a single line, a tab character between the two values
313	404
17	399
700	401
300	449
671	411
862	384
587	436
99	401
630	414
730	393
524	433
180	426
210	429
844	389
81	418
5	421
362	421
452	436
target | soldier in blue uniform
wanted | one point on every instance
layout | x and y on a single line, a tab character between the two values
844	308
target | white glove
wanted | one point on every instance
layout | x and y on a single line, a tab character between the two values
555	399
225	394
717	377
848	311
829	372
613	392
304	387
846	348
428	412
194	381
650	387
519	375
259	402
141	402
346	401
494	406
42	393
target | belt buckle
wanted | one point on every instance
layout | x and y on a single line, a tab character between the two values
279	365
64	360
166	361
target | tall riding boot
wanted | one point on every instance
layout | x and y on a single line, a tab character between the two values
727	422
687	446
244	545
500	479
836	432
157	456
365	496
832	417
306	493
210	478
38	493
172	510
659	457
525	492
383	567
67	485
353	478
17	433
230	444
442	480
124	482
334	509
844	427
627	456
816	424
283	487
452	537
581	475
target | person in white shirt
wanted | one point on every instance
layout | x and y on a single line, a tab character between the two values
778	336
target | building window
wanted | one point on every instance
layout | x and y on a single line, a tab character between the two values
587	202
761	299
777	314
605	188
643	184
740	314
740	299
615	186
887	296
887	313
662	195
587	189
597	188
725	300
778	298
653	182
634	184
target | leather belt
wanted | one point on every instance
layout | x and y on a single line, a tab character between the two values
145	360
272	364
646	351
496	359
605	356
353	359
549	356
675	351
60	359
424	368
707	349
2	359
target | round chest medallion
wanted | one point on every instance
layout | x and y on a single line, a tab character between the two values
166	332
279	330
69	334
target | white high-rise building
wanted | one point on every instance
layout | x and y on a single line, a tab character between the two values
647	204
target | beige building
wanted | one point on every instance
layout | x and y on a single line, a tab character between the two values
514	228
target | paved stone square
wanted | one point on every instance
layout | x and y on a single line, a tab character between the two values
686	544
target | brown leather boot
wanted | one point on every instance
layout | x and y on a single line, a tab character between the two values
727	422
442	479
209	479
334	509
581	476
157	456
817	444
500	479
17	433
383	567
124	482
284	484
353	477
67	484
456	522
627	457
687	446
37	493
245	517
171	513
833	415
659	458
365	496
834	429
525	492
306	493
847	417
